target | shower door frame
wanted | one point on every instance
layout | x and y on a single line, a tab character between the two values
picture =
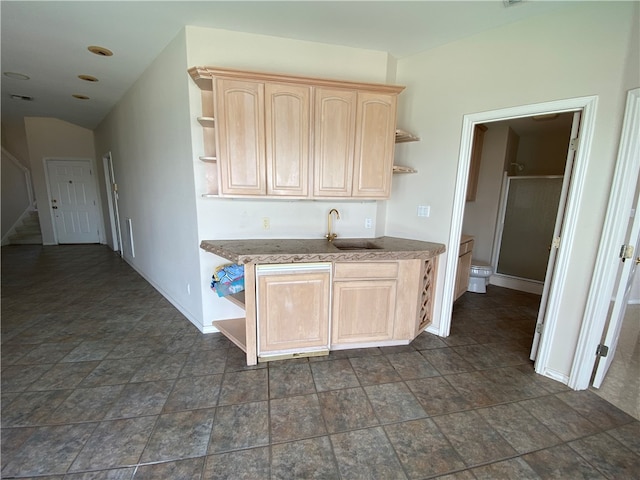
527	284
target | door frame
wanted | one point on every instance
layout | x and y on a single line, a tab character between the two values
98	204
112	202
621	199
588	106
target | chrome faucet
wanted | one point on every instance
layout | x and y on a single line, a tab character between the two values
330	235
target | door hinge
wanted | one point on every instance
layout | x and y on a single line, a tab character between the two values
539	328
573	144
115	187
556	242
626	251
602	350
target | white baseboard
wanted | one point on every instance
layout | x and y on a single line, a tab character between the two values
557	376
520	284
172	301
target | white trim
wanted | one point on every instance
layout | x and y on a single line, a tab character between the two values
613	231
112	222
172	301
515	283
557	376
589	106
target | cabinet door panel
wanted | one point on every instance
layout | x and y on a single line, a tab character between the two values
363	311
462	274
293	311
375	142
334	125
287	139
240	116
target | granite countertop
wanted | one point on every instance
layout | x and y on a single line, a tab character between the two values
320	250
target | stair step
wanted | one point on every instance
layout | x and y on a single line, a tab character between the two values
28	233
25	239
28	229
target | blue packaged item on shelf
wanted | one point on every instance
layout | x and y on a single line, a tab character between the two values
228	279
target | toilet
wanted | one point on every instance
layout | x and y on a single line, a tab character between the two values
479	277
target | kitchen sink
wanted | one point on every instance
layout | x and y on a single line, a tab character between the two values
355	244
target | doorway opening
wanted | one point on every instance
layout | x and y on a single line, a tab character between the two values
556	277
112	202
522	175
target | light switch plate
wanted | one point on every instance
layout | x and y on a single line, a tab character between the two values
424	210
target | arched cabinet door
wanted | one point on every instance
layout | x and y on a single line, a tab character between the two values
241	136
334	134
287	124
374	145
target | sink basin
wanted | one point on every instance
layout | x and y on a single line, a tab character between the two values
355	244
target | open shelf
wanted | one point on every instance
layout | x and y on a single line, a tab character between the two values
235	329
402	137
208	158
236	299
208	122
403	169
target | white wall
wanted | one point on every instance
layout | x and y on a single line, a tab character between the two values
148	135
582	50
57	139
238	218
14	139
544	153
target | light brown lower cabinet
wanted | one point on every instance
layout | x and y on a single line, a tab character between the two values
364	301
309	309
293	308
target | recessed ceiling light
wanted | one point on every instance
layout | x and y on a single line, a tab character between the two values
16	96
16	76
87	78
80	96
103	52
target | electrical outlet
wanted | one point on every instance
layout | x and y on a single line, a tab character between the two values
266	223
424	210
368	223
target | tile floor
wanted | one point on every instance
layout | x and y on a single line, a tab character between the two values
102	379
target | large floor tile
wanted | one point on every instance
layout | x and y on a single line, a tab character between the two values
366	454
422	449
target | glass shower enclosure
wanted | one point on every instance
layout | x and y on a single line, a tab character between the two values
527	215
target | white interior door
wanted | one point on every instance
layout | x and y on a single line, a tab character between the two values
557	236
73	201
627	270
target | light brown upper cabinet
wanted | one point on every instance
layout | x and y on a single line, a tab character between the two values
287	136
375	142
287	122
334	133
239	107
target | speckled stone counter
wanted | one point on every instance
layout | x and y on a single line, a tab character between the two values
320	250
